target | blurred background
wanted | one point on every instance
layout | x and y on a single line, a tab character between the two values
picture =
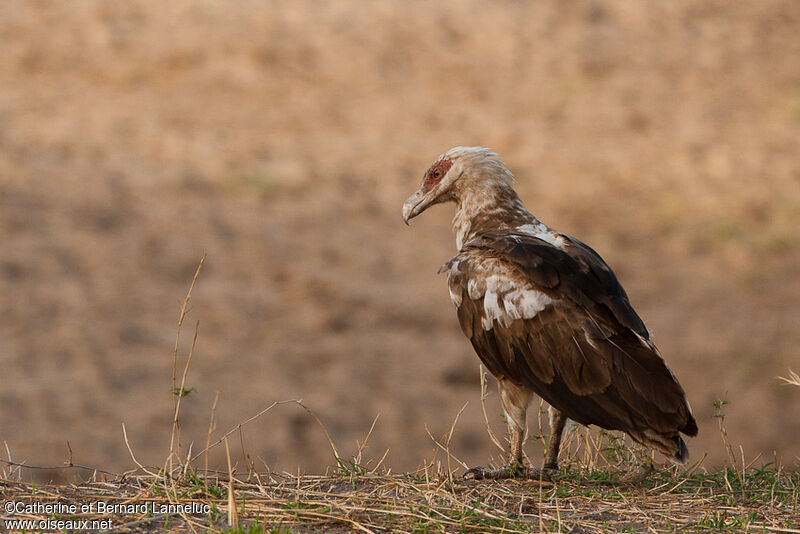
281	138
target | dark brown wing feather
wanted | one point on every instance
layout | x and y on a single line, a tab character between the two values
588	354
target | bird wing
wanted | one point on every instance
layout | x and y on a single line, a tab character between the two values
558	322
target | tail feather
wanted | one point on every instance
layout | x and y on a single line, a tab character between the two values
673	447
682	456
690	429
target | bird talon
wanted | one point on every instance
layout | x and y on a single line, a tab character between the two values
509	471
477	473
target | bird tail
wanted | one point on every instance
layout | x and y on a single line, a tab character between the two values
682	456
673	447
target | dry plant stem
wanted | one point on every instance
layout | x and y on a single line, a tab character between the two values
484	394
442	503
324	429
212	425
186	463
792	380
174	499
362	446
729	449
245	456
753	461
234	429
176	433
11	461
233	520
539	416
400	504
23	465
446	446
130	451
176	401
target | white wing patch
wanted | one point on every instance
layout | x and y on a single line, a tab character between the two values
505	303
452	286
524	304
476	288
503	299
543	232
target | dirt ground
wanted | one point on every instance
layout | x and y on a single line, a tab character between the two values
281	139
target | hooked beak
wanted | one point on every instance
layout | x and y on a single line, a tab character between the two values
414	205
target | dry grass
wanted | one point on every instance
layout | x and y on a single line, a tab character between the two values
792	380
624	498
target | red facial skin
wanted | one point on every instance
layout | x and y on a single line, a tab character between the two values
431	179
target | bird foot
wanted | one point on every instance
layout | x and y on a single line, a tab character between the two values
509	471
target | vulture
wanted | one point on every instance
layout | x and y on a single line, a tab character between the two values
547	315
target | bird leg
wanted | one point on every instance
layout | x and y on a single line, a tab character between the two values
557	422
515	468
515	401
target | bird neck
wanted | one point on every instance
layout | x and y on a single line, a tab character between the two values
487	210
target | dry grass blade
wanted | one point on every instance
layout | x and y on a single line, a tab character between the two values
361	446
599	502
243	423
130	451
176	398
792	380
179	394
446	446
324	429
233	518
212	425
484	394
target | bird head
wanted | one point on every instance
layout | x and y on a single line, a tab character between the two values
455	174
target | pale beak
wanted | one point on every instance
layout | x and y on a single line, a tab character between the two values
414	205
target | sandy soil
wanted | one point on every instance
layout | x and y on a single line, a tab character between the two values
281	140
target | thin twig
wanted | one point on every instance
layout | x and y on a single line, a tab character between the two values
180	394
233	518
243	423
212	425
181	317
792	380
130	451
484	394
64	466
